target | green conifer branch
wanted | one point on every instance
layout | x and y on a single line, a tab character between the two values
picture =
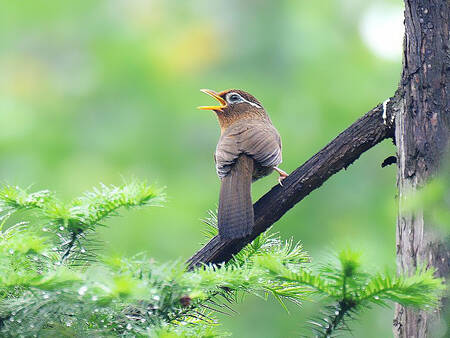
71	221
41	294
352	289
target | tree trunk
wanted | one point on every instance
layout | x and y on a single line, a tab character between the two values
422	138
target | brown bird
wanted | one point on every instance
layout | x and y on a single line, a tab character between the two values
248	149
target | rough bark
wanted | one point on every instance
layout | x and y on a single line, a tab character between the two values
362	135
422	137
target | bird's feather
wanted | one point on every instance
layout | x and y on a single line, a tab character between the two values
235	214
255	138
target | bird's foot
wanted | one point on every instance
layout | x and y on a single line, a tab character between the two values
282	176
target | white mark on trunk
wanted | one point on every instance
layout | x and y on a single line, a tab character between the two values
385	102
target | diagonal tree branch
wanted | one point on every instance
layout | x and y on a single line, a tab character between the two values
366	132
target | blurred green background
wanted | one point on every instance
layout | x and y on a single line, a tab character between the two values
91	91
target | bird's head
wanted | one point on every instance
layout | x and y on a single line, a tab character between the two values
234	105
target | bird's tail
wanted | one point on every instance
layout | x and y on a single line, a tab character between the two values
235	214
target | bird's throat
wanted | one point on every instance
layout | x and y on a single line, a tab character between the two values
226	119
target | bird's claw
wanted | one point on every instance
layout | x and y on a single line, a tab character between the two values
282	176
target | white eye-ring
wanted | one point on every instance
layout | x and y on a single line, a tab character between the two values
234	98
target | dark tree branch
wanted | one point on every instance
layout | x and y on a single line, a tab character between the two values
369	130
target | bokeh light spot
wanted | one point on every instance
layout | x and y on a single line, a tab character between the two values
381	29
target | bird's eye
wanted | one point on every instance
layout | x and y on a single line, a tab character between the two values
233	98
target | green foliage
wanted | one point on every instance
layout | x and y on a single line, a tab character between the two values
45	291
72	222
351	289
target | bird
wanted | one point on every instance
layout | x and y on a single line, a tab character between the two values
249	148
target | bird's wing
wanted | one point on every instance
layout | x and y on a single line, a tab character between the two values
258	139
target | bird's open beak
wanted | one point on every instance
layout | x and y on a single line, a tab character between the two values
217	97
